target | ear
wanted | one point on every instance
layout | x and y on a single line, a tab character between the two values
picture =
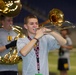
25	26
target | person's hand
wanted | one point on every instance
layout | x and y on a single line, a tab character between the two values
40	32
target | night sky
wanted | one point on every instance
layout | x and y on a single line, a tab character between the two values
68	7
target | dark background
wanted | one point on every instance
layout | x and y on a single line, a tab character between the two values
41	9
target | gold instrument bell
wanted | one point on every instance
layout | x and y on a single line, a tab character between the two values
56	17
10	8
12	57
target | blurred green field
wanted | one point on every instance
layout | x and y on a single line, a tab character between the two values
53	58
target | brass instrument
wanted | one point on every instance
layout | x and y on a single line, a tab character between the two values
56	19
10	7
12	57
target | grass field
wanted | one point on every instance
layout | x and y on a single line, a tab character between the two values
53	56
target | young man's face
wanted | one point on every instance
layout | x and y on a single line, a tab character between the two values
32	25
7	22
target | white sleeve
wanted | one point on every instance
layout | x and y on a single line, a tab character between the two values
52	43
21	42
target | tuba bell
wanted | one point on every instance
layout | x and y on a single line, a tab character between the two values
10	7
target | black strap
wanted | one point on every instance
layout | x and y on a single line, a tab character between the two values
11	44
